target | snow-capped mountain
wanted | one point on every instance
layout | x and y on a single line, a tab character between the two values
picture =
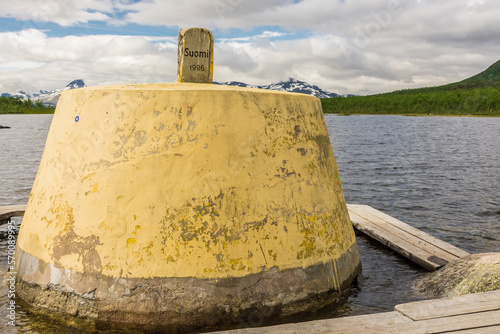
78	83
48	98
292	85
296	86
19	93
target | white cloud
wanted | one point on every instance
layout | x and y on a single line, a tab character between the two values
62	12
220	14
345	46
264	35
31	60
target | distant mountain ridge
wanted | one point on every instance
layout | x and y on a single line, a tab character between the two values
488	77
48	98
477	95
292	85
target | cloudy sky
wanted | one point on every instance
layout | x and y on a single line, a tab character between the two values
345	46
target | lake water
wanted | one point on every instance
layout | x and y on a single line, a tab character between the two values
439	174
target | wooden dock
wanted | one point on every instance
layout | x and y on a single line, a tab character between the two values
7	212
469	314
420	247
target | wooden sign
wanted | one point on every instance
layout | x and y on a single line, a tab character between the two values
195	55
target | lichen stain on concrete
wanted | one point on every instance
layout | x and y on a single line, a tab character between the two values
93	189
320	235
200	225
140	138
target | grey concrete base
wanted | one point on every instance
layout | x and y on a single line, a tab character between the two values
184	303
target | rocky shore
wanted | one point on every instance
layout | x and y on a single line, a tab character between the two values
471	274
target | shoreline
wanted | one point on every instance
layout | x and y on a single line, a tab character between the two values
410	115
335	114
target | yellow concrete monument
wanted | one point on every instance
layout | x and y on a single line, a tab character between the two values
185	205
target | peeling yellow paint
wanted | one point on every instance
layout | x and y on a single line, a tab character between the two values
148	248
224	181
88	176
73	258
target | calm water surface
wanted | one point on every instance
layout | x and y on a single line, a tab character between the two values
439	174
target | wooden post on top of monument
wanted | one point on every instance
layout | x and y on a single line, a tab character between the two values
195	55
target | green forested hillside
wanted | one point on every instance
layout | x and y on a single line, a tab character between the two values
478	95
15	105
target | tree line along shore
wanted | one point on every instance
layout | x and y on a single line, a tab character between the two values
16	105
478	95
483	101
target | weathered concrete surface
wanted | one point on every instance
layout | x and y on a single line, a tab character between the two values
186	303
185	205
470	274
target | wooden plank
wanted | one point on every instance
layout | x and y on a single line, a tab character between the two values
382	323
424	240
448	324
440	325
419	242
469	314
416	232
480	330
397	243
360	323
420	247
348	324
439	308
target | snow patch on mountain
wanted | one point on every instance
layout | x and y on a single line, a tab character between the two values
48	98
292	85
